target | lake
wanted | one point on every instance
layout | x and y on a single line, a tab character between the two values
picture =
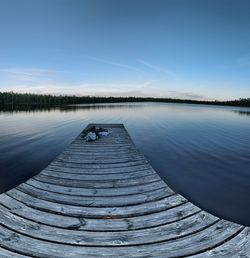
200	151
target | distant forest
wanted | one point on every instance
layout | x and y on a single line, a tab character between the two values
11	100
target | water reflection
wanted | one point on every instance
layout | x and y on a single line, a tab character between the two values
37	108
202	152
242	113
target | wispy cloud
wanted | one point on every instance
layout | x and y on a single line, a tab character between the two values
28	74
124	66
160	69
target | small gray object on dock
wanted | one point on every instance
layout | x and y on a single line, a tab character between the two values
103	199
94	133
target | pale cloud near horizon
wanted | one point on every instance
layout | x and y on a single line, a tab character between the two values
46	81
93	89
145	89
187	95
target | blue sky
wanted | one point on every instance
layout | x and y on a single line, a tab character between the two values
196	49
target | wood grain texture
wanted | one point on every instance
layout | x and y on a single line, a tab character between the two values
103	199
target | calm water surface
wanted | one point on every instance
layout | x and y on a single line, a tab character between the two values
200	151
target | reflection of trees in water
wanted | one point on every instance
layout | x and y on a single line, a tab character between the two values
65	108
242	113
99	106
25	107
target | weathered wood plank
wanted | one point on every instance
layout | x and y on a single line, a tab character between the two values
100	161
97	212
98	177
100	224
100	166
99	171
97	157
96	201
187	226
98	183
4	253
80	191
238	246
188	245
91	151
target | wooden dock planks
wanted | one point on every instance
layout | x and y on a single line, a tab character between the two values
103	199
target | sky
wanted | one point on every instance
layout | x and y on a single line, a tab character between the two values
195	49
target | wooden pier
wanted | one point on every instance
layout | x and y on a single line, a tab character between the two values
103	199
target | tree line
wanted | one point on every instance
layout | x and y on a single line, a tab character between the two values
15	100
